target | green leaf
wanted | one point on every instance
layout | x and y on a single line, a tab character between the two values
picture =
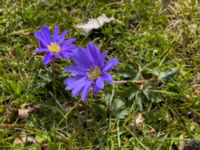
163	74
52	146
168	73
119	109
41	137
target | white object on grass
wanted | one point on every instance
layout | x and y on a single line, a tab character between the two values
95	23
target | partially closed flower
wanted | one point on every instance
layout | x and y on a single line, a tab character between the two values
89	69
54	45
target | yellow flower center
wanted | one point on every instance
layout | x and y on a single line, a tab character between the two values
54	47
93	72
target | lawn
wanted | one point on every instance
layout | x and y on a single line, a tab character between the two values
153	103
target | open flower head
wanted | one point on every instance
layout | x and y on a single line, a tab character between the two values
89	69
54	45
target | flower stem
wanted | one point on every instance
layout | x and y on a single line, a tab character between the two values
53	76
134	81
53	68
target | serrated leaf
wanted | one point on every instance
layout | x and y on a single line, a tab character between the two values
163	74
119	109
168	73
122	114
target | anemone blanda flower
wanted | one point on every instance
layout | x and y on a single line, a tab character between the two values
89	69
54	45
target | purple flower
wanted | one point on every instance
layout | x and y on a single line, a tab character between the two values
89	69
53	45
